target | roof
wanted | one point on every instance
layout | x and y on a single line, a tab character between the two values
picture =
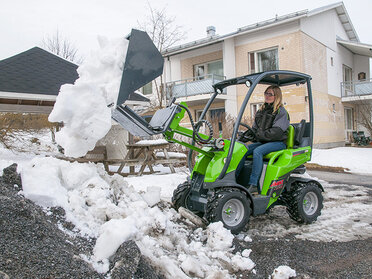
340	9
137	97
356	48
343	16
36	71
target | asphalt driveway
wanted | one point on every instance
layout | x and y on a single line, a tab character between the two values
343	178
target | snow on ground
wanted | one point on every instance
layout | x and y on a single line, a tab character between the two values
357	160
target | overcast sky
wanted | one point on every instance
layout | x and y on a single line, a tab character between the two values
24	23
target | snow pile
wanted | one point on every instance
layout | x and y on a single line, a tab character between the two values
283	272
82	107
109	209
358	160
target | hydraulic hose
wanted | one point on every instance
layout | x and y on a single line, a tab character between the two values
195	128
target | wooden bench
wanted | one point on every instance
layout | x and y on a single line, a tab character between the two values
97	155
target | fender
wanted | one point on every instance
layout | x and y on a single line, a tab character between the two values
304	180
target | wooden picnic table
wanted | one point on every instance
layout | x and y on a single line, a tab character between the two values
144	155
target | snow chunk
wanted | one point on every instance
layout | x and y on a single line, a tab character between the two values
152	196
82	107
112	234
219	238
283	272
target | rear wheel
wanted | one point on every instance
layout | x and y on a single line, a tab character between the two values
231	207
304	202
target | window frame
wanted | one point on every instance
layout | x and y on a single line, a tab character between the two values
254	55
143	89
206	68
254	111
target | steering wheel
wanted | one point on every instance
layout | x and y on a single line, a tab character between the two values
247	135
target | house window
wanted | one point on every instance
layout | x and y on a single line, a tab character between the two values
265	60
213	113
254	109
214	67
214	116
147	89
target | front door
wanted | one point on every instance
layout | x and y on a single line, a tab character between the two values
349	124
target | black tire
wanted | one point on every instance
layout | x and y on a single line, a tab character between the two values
304	202
180	195
230	206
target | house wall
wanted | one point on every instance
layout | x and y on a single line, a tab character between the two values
290	58
187	65
334	72
328	109
361	64
229	69
324	27
180	66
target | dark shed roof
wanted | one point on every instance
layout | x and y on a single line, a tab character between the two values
137	97
36	71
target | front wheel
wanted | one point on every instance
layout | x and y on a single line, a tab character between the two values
180	195
231	207
304	202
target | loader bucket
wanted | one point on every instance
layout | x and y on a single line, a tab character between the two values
143	64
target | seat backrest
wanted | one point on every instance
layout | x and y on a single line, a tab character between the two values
290	138
299	132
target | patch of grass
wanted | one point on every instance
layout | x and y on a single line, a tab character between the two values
311	166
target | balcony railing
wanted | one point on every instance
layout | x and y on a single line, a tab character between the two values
356	88
192	86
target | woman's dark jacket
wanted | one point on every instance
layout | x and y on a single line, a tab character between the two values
271	126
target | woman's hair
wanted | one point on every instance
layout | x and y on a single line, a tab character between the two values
278	97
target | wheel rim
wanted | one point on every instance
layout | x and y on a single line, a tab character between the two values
310	203
233	212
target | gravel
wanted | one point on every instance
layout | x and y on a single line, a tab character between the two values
347	260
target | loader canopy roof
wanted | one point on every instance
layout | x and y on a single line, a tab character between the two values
279	78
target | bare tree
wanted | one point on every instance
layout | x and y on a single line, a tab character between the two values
164	32
365	115
61	46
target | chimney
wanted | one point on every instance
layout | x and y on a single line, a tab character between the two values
211	31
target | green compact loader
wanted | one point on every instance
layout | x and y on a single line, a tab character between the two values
217	189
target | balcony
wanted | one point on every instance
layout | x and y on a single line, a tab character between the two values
356	90
192	86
